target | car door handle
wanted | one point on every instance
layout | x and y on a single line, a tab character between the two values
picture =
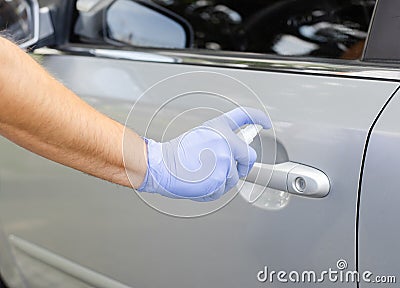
291	177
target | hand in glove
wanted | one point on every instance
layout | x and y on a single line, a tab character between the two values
205	162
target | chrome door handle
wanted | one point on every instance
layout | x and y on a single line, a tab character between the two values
291	177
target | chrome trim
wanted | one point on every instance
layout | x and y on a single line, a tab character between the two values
131	55
234	60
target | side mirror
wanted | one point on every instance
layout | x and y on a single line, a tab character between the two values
23	22
19	21
137	24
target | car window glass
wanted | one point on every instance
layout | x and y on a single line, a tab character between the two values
311	28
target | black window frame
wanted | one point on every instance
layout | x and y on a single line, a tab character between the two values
198	51
382	47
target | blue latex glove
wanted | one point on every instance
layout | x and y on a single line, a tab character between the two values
205	162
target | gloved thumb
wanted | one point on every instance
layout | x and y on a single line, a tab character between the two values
245	165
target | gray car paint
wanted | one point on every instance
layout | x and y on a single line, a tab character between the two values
379	211
318	121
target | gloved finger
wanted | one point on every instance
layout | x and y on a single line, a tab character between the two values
245	115
214	196
245	164
232	178
242	153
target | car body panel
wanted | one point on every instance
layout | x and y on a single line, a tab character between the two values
108	229
378	225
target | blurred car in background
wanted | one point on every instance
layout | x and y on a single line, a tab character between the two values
328	73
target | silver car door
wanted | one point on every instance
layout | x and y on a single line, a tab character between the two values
80	229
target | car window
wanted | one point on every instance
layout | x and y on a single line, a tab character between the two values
311	28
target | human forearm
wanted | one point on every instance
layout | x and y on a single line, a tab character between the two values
40	114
